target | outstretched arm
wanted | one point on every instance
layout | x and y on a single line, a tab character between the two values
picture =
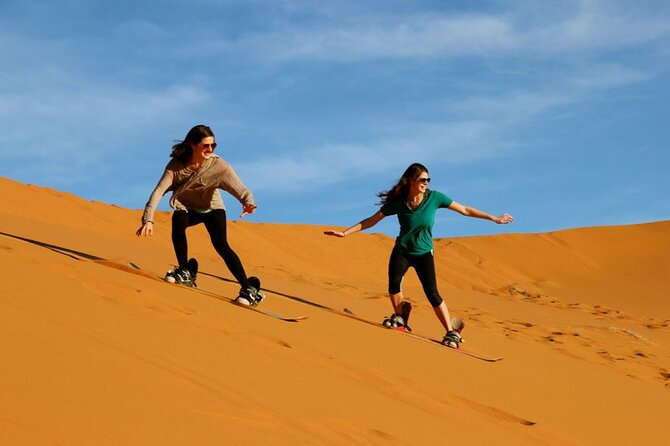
360	226
476	213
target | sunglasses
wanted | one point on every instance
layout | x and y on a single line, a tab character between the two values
207	146
423	180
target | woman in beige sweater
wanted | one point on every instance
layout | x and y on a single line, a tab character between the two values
195	175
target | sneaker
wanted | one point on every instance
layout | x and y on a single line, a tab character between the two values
250	296
170	277
452	339
181	276
394	321
192	267
406	310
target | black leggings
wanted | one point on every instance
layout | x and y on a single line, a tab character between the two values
215	222
424	265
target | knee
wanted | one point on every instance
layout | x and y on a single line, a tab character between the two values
178	231
221	244
178	234
394	286
435	299
179	222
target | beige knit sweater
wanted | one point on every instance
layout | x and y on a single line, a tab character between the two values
197	189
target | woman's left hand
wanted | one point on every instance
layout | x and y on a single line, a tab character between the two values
248	209
504	219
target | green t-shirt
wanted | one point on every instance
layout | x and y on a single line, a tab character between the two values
416	226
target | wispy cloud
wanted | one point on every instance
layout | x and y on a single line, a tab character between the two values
66	115
590	26
419	36
67	118
601	76
48	91
600	25
469	130
318	167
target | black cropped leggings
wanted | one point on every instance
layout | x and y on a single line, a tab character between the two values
215	223
424	265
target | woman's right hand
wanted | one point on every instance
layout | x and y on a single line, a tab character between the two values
334	233
147	229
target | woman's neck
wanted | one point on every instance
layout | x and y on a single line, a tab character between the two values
413	196
195	163
414	199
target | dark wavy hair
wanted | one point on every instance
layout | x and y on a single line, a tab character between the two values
401	188
183	150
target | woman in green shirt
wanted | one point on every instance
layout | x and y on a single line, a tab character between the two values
415	205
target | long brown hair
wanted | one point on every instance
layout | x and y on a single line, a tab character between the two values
401	188
183	150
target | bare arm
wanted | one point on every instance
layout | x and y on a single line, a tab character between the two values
360	226
476	213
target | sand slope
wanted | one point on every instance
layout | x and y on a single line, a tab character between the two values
100	355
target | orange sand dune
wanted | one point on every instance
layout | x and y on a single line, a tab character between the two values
100	355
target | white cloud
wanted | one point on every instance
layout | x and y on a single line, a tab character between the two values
87	110
608	75
419	36
481	128
138	29
601	25
591	27
315	167
512	106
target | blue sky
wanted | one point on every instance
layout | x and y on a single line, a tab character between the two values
555	112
